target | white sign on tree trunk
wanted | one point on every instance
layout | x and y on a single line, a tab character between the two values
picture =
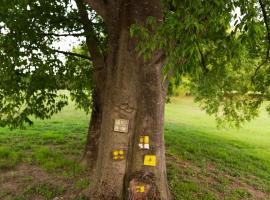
121	125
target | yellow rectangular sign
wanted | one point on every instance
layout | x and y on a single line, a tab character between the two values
150	160
146	139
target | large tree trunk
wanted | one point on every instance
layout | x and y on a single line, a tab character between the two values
135	91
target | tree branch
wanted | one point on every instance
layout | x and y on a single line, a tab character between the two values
203	63
67	53
266	22
63	35
91	39
98	5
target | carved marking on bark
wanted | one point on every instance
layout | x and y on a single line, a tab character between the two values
146	179
124	103
124	108
134	194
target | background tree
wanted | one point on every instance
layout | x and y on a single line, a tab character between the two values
227	66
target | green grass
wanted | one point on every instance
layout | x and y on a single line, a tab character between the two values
204	162
236	154
8	158
47	191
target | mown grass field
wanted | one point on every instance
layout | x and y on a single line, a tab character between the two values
204	162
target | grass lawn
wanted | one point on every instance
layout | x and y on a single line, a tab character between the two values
204	162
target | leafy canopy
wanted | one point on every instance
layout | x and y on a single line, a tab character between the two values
220	46
32	68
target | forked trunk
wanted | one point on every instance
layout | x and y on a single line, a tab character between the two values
130	162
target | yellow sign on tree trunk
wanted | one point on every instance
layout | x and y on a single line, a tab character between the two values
150	160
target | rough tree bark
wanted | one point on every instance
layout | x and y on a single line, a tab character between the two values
92	141
133	90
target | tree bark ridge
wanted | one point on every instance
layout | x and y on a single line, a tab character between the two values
99	76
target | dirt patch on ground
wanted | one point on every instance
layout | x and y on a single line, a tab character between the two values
210	177
34	183
257	194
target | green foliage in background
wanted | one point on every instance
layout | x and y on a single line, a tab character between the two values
32	66
79	79
222	47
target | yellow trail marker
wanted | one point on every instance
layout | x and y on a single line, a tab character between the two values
144	142
140	189
121	152
150	160
146	139
118	155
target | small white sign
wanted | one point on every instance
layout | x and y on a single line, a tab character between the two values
121	125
